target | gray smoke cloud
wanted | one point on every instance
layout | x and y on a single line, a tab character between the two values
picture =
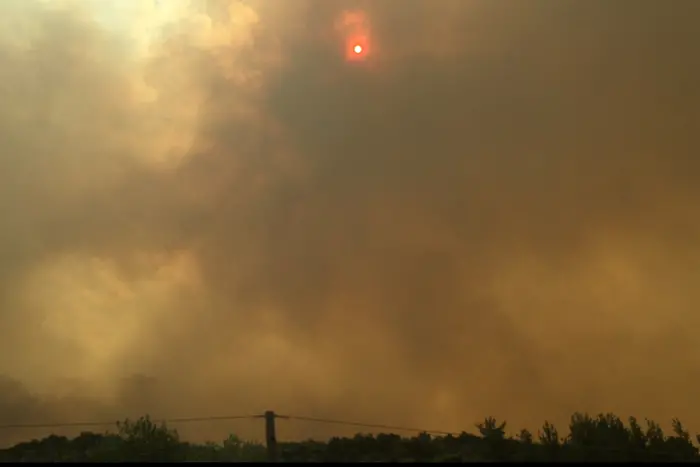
210	208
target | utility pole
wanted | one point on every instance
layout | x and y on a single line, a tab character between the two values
270	436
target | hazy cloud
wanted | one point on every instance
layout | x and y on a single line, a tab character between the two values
494	212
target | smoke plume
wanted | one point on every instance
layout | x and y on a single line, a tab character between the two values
210	208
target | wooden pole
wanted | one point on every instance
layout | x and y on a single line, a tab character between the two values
270	436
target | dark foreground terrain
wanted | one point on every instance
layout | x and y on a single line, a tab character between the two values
600	438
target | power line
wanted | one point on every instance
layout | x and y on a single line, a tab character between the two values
54	425
367	425
110	423
230	417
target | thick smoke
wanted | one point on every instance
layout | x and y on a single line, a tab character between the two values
495	213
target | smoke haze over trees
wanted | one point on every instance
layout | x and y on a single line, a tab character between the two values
207	210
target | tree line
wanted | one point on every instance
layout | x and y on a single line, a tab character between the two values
602	438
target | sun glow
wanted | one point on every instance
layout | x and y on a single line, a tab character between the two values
354	29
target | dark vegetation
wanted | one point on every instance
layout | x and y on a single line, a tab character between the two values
602	438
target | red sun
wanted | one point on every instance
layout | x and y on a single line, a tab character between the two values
354	28
357	48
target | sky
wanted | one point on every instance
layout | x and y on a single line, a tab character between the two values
211	207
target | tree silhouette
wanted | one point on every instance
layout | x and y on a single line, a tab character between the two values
144	441
601	438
